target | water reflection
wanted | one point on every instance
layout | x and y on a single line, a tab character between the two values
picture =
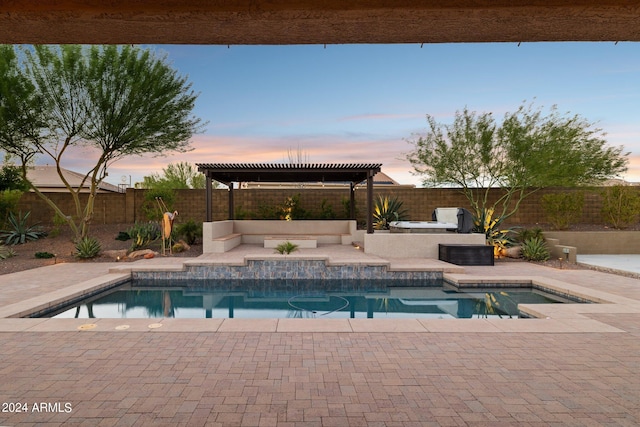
135	301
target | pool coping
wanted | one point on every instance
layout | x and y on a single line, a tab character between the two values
549	318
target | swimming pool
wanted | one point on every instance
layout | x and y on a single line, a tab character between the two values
301	299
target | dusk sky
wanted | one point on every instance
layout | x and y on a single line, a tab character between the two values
360	103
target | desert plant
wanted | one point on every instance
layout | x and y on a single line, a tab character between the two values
44	255
88	247
535	249
189	231
123	236
143	234
497	236
286	248
58	222
562	209
6	252
8	202
387	210
291	209
19	231
326	210
529	233
620	205
152	210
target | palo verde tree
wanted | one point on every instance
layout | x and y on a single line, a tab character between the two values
111	102
527	151
176	176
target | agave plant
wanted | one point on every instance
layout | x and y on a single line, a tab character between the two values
20	232
88	247
387	210
535	249
6	252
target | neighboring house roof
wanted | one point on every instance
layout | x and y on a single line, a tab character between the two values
46	178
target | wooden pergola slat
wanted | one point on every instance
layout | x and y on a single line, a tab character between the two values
353	173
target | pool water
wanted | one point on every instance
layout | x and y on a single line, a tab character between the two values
291	301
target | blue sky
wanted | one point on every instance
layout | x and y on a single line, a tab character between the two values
360	103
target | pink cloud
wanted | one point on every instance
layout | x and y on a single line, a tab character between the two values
380	116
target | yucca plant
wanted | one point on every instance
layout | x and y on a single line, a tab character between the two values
19	231
6	252
190	231
535	249
88	247
498	237
286	248
387	210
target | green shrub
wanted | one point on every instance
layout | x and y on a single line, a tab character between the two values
241	213
387	210
563	209
286	248
189	231
153	211
620	205
44	255
326	210
143	234
291	209
123	236
6	252
8	203
346	207
535	249
58	222
529	233
88	247
19	232
267	212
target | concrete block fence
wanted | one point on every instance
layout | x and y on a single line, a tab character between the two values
121	208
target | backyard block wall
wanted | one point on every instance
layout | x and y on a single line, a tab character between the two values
121	208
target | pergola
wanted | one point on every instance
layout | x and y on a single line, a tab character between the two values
353	173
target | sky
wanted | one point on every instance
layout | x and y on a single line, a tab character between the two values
365	103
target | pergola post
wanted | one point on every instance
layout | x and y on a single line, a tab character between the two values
352	201
231	200
208	197
370	202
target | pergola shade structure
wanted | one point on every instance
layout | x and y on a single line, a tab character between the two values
353	173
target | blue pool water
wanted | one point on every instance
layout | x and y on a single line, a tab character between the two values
300	299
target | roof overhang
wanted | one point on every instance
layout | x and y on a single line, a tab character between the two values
284	172
317	22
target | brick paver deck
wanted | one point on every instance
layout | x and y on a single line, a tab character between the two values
267	373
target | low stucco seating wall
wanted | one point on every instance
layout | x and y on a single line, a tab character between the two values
419	245
222	236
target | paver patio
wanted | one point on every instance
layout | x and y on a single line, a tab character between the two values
284	372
